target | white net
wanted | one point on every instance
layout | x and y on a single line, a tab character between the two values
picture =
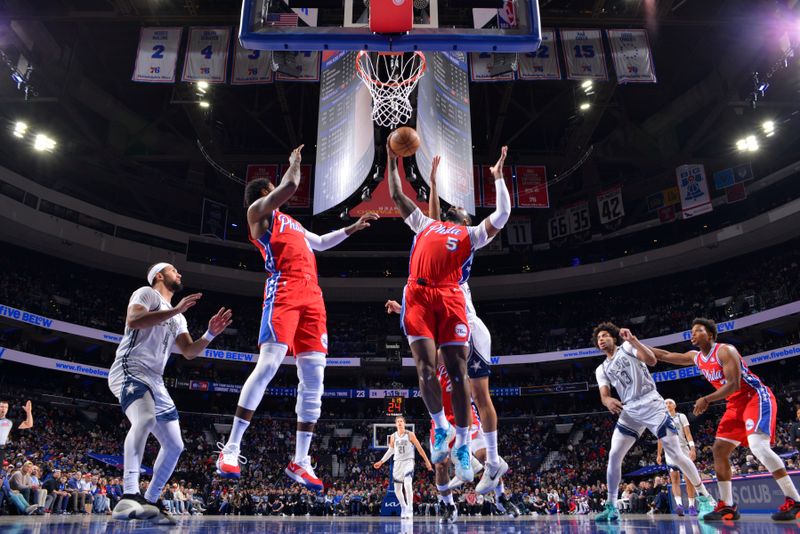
390	77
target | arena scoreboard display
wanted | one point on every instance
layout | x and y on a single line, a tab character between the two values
393	406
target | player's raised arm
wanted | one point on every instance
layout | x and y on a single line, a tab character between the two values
331	239
28	422
643	352
675	358
434	208
263	207
192	348
499	217
403	203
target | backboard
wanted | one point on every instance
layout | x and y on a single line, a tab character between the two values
439	25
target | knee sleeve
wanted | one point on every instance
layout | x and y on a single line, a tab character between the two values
269	361
310	376
762	450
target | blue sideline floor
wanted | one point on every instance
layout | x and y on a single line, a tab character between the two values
751	524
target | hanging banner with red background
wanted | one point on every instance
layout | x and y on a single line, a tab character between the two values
531	187
489	194
382	203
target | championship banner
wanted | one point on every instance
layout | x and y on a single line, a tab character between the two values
693	186
270	171
664	198
157	55
543	63
736	193
743	173
723	179
633	59
530	188
206	55
301	197
491	67
609	204
251	67
476	184
214	220
584	54
489	193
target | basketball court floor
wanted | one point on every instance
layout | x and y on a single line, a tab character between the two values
748	524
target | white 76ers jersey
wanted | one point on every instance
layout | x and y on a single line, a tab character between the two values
626	373
143	352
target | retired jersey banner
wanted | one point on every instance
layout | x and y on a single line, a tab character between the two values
157	55
490	67
531	187
206	55
302	197
579	220
489	193
584	54
543	63
518	231
609	204
251	66
633	59
693	187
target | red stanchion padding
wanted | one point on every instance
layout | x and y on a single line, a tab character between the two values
391	16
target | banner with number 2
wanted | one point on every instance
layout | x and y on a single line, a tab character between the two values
206	55
157	55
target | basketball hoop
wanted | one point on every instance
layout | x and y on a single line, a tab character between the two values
390	78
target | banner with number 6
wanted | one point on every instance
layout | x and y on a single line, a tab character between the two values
157	55
206	55
584	54
609	204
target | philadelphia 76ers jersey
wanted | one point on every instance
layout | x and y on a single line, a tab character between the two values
711	368
285	249
442	251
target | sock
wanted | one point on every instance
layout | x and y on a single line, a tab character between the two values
398	491
409	493
141	414
169	437
237	431
725	491
302	445
491	448
678	500
620	445
439	419
702	490
788	488
462	436
691	501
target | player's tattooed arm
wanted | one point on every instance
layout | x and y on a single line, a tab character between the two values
643	352
675	358
403	203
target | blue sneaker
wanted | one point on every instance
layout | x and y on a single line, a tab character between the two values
705	505
462	460
679	510
441	442
609	513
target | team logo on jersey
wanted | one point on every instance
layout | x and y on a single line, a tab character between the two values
398	2
324	340
713	359
461	330
749	424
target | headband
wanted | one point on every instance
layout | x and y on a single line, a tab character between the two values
154	270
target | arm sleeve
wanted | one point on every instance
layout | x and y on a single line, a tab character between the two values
600	376
147	297
417	221
499	217
388	454
324	242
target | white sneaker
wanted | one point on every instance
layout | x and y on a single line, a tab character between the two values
228	461
491	477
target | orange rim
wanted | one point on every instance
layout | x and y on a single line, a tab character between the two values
380	83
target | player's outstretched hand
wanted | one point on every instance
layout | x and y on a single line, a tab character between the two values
295	156
363	222
614	405
392	306
434	166
700	406
389	152
377	465
28	407
625	334
497	169
428	466
692	454
220	321
658	459
187	302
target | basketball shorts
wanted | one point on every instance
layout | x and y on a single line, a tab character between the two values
128	389
294	314
478	440
754	411
670	462
437	313
647	413
477	366
402	469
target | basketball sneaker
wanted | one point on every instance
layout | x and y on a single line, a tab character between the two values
450	514
491	477
788	511
679	510
692	511
303	474
134	506
441	442
609	513
505	506
164	517
228	461
705	505
460	456
721	512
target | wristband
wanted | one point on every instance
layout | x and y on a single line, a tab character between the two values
691	444
208	336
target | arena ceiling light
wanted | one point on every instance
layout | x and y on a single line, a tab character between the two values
584	106
747	144
204	104
43	143
769	128
19	129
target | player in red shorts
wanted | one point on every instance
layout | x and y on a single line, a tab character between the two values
293	317
434	306
749	416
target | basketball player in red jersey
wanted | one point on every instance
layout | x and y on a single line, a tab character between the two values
434	306
293	317
749	416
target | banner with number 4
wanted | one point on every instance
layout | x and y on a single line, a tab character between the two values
157	55
206	55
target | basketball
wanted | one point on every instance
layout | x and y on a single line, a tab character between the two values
404	141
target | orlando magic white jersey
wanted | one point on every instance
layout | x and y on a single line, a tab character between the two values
627	374
468	297
680	421
143	352
403	448
5	429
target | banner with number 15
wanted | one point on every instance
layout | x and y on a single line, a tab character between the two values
206	55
